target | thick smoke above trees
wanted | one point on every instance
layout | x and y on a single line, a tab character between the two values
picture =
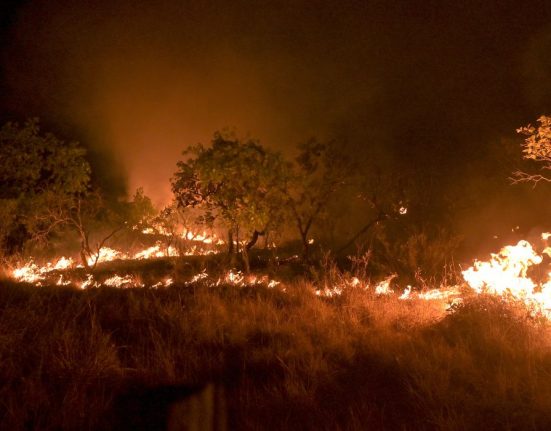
137	84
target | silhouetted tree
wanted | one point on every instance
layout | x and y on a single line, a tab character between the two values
91	217
35	169
320	171
536	147
237	183
46	190
385	196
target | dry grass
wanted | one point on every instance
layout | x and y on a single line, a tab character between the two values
288	360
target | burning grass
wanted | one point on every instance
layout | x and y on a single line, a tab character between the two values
288	360
334	350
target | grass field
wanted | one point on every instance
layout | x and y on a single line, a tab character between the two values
96	359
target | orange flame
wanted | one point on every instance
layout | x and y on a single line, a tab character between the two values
506	274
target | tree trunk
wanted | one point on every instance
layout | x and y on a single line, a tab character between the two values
304	227
246	262
232	250
83	259
248	246
305	246
85	250
230	242
363	230
254	239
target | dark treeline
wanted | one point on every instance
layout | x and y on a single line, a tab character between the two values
328	197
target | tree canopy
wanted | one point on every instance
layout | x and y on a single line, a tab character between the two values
46	190
320	170
32	163
536	147
35	169
237	183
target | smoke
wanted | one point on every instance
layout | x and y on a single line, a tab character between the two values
144	82
426	86
536	69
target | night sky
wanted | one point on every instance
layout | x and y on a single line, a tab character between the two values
435	89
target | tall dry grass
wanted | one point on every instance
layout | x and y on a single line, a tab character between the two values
288	360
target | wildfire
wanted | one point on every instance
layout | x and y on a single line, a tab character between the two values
202	237
31	272
507	274
156	251
106	254
49	273
383	287
187	234
506	271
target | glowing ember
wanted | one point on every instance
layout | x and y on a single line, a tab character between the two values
198	277
62	282
406	294
330	292
167	282
383	287
273	283
124	281
89	282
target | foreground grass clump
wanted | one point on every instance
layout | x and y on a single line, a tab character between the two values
288	360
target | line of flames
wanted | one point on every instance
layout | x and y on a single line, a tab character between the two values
31	272
187	234
38	275
505	274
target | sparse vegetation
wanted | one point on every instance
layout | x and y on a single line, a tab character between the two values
288	360
323	350
274	216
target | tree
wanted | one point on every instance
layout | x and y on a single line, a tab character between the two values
46	189
536	147
320	171
94	220
384	193
236	183
35	169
